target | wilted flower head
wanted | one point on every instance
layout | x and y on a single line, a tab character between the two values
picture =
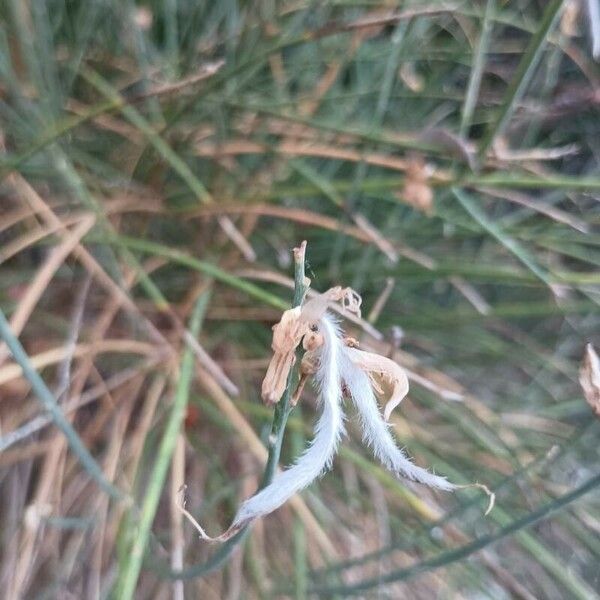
340	370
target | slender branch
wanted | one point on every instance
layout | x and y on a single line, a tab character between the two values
477	69
282	412
283	409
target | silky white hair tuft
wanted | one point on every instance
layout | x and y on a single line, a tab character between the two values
376	431
319	455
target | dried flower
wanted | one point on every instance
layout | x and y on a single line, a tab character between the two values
339	369
295	323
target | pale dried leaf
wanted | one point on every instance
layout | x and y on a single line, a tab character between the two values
589	378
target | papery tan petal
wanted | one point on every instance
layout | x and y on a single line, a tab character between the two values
382	369
391	405
275	380
351	300
287	334
314	309
589	378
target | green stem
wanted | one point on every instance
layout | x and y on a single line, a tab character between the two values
477	69
499	180
282	412
154	248
128	577
495	231
283	409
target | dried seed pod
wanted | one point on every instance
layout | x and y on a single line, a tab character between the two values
417	191
312	340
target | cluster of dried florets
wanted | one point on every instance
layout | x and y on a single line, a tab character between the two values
340	369
301	325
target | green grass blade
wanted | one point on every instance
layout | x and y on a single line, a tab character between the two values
477	69
135	118
182	258
128	577
522	76
509	243
452	556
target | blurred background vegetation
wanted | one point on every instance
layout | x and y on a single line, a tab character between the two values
159	162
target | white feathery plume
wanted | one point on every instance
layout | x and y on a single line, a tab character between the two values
318	456
376	431
338	369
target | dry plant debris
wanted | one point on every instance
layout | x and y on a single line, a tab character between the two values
417	191
589	378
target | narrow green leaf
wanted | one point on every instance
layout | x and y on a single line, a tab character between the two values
477	69
128	577
509	243
522	76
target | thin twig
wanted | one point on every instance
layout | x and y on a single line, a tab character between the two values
379	21
64	369
75	403
43	277
381	301
282	412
